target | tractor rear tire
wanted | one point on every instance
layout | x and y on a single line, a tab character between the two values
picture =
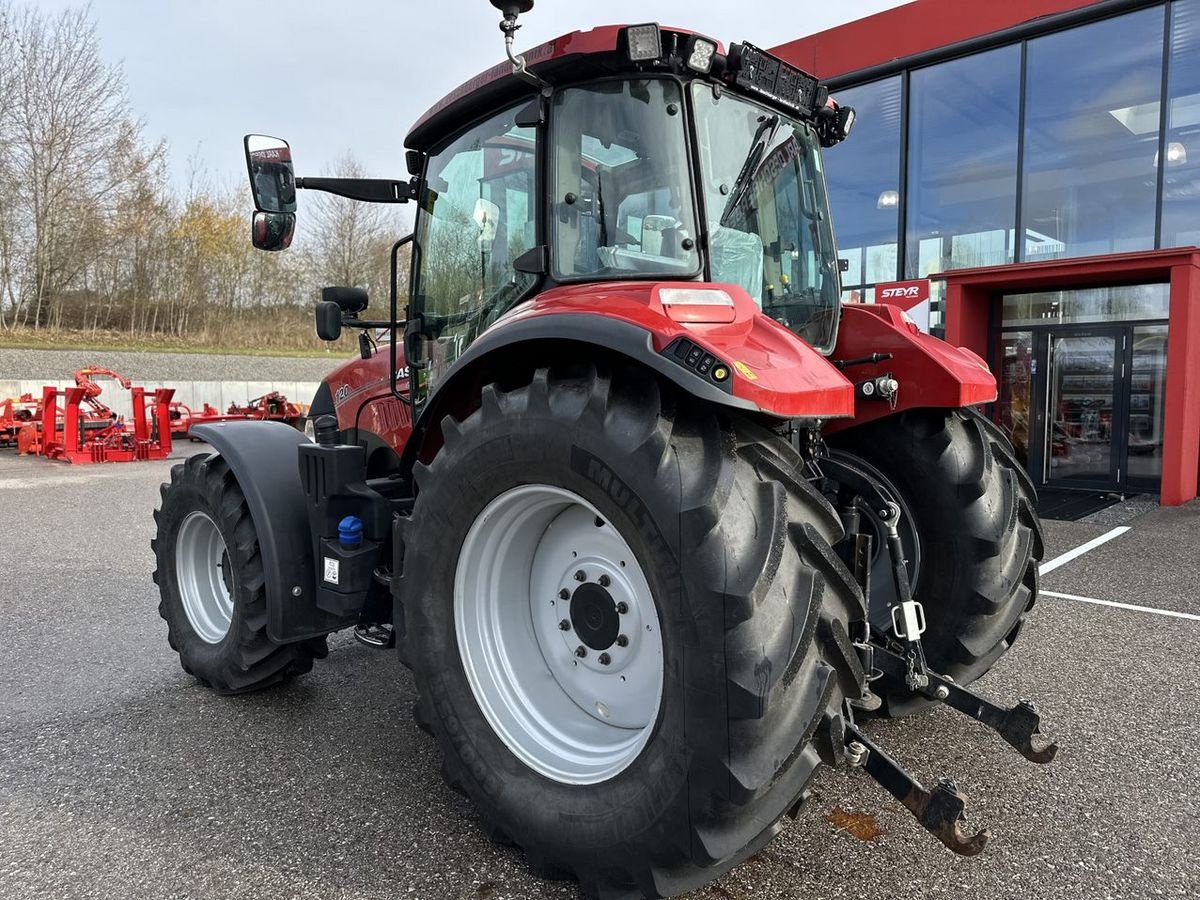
210	580
973	510
579	493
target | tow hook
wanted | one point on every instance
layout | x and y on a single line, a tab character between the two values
1019	726
939	811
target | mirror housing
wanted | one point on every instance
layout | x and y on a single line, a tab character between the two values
272	181
350	300
272	230
329	320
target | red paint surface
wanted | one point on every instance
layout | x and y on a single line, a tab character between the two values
362	396
971	293
931	372
1181	425
910	29
787	378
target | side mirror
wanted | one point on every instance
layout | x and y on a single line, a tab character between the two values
272	230
272	181
329	320
349	299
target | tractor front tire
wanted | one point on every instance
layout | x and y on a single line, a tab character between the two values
627	628
212	590
972	508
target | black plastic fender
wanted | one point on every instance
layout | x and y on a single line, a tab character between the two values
265	461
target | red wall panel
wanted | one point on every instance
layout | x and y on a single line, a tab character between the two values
911	28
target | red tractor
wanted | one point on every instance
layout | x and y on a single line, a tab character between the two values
657	522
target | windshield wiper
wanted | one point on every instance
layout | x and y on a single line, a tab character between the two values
600	210
762	136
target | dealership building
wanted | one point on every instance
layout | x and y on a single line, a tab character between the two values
1038	161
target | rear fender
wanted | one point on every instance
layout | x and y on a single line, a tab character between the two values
264	457
769	369
931	373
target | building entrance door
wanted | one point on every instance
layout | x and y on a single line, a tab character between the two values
1084	404
1085	409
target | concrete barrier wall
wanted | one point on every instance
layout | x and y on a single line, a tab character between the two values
193	393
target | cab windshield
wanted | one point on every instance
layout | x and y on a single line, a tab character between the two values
767	213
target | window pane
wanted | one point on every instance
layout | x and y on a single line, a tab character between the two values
864	182
764	195
1147	400
962	162
621	199
1091	135
475	220
1103	304
1181	187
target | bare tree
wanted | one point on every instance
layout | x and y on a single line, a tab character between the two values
70	146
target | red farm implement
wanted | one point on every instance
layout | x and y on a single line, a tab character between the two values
270	407
14	413
85	430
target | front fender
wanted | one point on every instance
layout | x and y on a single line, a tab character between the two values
932	373
265	460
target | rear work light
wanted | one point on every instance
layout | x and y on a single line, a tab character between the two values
700	54
643	42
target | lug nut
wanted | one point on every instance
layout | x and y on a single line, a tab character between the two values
622	640
564	594
605	659
605	581
564	625
581	651
579	576
622	607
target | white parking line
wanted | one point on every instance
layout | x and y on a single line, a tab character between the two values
1134	607
1081	549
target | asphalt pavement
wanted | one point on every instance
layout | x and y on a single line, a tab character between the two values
121	777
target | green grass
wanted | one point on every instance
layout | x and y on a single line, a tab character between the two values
58	340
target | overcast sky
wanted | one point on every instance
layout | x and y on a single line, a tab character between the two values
333	75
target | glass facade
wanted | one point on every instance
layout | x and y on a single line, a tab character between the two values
863	175
1181	175
1056	139
1091	137
1087	305
962	162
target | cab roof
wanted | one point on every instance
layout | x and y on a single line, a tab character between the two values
581	54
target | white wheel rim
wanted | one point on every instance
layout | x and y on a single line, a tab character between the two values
577	718
201	564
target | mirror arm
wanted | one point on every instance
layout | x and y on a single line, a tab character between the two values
410	400
369	190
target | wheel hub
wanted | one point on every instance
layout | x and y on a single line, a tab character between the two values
594	616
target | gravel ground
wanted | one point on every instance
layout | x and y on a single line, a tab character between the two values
120	776
150	368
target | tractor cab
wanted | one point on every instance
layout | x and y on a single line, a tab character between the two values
620	154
